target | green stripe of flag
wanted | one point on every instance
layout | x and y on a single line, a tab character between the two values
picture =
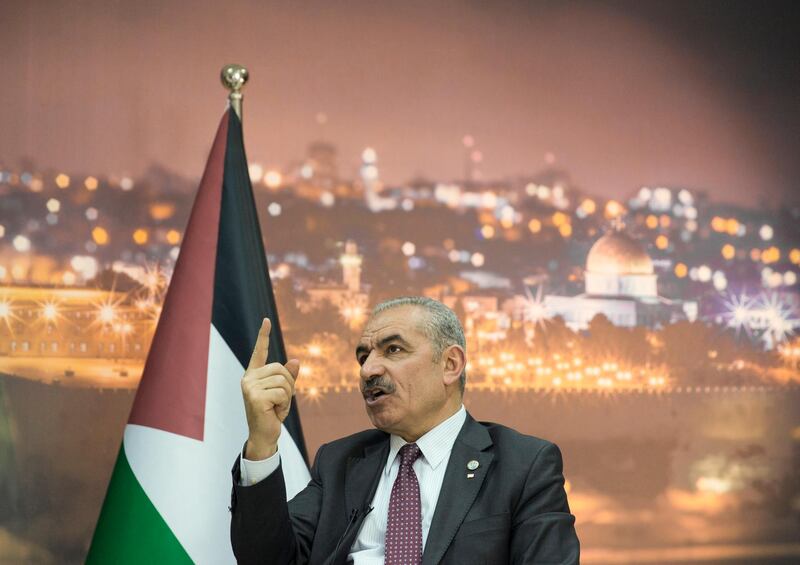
130	529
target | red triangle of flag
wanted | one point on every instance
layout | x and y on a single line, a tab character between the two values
172	392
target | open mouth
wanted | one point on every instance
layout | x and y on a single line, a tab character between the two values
374	395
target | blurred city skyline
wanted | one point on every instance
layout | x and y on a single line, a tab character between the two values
618	94
604	193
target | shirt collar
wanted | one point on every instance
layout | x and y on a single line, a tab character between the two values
435	445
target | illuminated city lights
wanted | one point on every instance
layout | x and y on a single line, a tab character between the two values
160	211
100	236
560	218
153	278
140	236
489	199
369	155
106	314
766	232
256	172
719	280
327	199
767	316
614	209
126	184
770	255
22	244
495	211
589	206
408	249
85	265
53	205
543	192
173	237
62	181
50	312
662	199
90	183
728	251
273	179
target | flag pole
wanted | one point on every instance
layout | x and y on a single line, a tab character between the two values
234	77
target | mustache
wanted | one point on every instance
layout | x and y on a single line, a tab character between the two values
380	382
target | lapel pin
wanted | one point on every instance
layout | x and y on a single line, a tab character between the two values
470	475
472	465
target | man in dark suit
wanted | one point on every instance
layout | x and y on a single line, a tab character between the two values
430	485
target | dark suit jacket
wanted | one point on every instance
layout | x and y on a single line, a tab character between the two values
514	510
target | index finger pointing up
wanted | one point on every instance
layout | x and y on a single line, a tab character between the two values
261	349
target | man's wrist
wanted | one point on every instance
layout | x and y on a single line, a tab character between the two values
259	451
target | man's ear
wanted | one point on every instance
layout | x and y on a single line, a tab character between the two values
455	359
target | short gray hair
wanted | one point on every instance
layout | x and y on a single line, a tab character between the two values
442	326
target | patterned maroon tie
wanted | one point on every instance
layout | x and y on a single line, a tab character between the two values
404	527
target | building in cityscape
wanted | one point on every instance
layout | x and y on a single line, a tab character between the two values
620	283
349	295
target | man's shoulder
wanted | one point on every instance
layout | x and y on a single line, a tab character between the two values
505	438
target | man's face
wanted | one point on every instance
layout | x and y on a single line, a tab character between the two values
403	388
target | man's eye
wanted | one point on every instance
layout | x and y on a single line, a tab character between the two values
394	349
361	359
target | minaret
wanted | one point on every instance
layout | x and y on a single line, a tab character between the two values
351	266
369	177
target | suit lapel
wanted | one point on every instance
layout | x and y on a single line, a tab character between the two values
360	483
363	474
458	491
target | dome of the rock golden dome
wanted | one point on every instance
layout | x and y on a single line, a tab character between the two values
618	254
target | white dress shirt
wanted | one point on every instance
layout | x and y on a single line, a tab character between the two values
436	446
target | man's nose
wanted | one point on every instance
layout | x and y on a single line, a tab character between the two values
372	366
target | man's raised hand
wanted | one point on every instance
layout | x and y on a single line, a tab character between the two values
267	392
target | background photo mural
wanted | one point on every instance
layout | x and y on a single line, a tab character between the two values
605	194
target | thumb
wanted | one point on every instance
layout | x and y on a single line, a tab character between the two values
293	366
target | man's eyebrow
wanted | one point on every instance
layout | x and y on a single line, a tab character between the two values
381	342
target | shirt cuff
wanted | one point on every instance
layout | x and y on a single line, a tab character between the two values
252	472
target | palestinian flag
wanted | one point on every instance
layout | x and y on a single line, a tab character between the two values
168	498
